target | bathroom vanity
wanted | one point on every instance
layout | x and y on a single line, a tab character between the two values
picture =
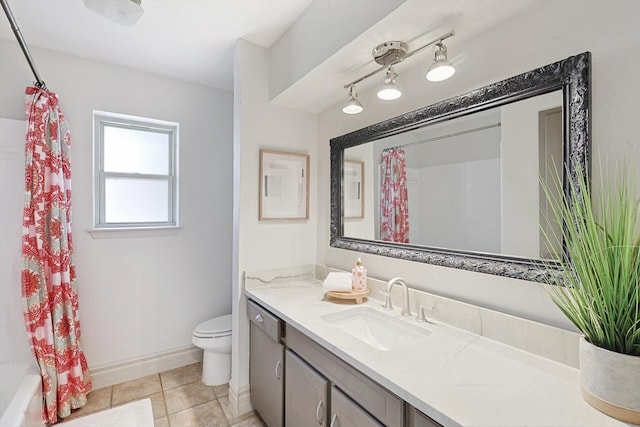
319	388
332	371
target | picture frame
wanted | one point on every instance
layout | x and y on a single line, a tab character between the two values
353	189
284	186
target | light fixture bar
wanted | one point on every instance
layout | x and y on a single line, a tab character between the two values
421	48
408	55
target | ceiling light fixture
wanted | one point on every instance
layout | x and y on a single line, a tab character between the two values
123	12
390	89
391	53
353	106
441	69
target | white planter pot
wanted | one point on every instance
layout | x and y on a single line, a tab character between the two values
610	381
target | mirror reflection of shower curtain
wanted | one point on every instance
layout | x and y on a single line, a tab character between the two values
394	203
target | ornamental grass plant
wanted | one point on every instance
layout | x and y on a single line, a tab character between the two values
599	288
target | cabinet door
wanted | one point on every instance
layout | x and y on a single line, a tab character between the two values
346	413
306	393
418	419
265	375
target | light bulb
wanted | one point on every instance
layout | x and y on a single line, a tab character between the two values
352	107
389	92
440	71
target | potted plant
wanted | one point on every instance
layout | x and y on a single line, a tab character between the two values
599	289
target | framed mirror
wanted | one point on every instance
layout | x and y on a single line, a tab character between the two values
457	183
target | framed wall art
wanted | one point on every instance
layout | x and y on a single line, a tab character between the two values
284	186
353	189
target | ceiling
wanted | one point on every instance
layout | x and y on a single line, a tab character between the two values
193	40
416	22
190	40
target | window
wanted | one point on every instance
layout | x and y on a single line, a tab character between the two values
136	172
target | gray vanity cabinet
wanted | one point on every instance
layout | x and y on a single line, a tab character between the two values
346	413
295	382
266	367
306	393
368	396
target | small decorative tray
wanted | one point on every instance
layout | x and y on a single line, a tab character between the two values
353	296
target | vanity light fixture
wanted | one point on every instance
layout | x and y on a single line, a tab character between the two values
391	53
441	69
123	12
390	89
353	106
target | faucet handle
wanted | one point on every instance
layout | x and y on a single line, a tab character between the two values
387	301
421	316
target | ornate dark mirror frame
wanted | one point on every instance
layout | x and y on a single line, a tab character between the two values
572	75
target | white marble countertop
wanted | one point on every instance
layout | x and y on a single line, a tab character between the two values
456	377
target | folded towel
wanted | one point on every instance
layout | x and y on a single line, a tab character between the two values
340	282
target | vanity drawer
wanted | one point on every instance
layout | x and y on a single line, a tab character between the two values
385	406
264	320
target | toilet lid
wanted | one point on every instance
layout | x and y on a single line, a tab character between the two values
214	327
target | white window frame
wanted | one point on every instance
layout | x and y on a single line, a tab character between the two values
102	119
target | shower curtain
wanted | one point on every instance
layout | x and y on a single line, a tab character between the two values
394	203
48	275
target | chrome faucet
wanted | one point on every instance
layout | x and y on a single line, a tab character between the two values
406	311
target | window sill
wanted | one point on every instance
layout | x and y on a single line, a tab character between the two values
131	232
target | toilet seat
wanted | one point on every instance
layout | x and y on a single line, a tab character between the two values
214	328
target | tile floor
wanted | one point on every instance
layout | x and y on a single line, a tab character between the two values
178	399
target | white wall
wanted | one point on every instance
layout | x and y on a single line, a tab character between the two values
547	33
365	227
310	41
520	165
260	245
141	296
460	206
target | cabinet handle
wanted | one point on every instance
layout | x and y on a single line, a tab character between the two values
259	318
335	422
320	412
278	370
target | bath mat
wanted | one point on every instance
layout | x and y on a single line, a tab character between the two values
134	414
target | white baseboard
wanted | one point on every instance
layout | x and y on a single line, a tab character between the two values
105	376
240	400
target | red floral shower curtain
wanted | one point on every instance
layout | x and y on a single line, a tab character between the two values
48	275
394	202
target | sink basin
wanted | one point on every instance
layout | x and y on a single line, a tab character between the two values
379	330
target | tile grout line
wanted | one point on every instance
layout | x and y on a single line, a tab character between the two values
222	409
166	409
164	400
218	394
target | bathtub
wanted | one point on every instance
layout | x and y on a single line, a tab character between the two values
20	396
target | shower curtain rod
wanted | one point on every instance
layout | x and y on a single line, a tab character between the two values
450	135
23	45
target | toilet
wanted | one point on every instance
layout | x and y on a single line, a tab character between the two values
214	337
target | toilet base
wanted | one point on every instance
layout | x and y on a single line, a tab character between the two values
216	368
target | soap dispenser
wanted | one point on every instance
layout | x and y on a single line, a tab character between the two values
359	277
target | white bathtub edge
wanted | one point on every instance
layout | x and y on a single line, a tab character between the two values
25	409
